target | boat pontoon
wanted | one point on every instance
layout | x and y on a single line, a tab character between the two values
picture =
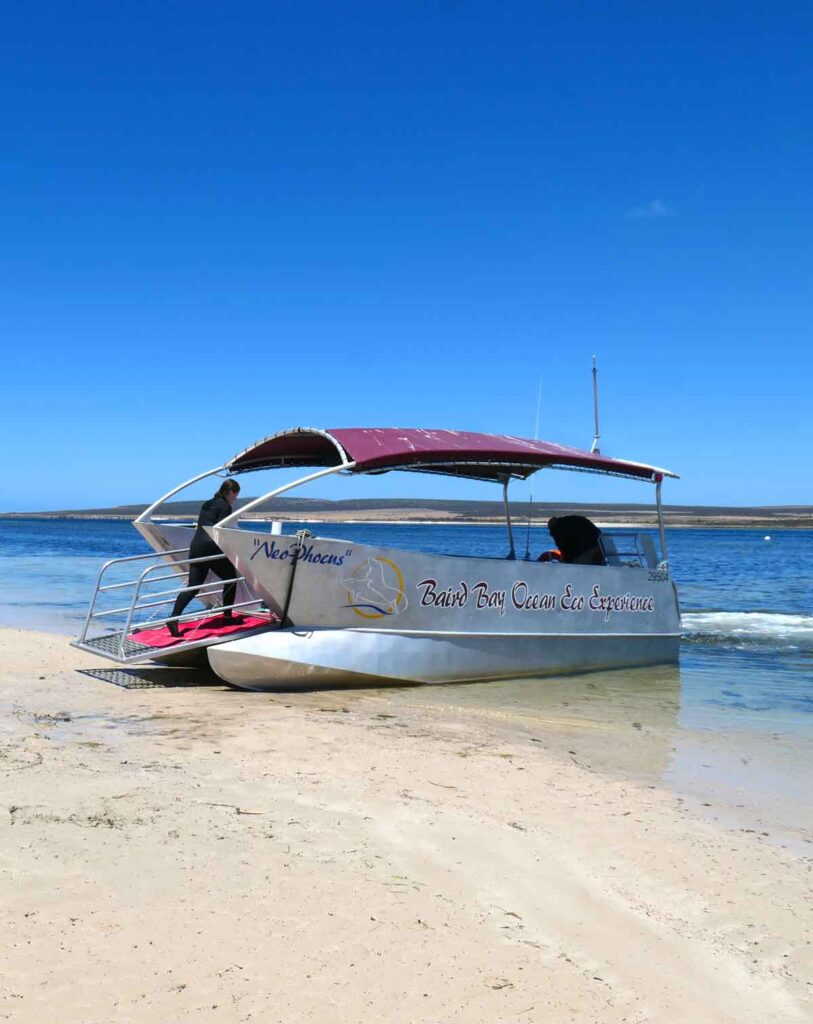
318	610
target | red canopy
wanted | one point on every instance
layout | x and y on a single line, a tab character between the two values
453	452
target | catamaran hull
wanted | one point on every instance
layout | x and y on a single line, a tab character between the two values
295	659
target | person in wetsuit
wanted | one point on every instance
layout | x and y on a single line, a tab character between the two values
202	546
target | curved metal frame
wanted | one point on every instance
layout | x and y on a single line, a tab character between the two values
280	490
286	433
145	515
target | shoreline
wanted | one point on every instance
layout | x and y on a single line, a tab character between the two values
222	855
711	523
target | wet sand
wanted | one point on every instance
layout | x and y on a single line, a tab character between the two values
186	851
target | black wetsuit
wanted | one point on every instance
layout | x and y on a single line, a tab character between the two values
202	546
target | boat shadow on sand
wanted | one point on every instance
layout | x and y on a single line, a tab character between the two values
145	677
153	676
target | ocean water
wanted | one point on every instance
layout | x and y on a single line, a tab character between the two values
730	727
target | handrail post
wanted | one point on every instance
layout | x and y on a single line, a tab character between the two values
512	553
131	610
92	607
133	602
661	530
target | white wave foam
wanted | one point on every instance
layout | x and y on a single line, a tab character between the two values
764	626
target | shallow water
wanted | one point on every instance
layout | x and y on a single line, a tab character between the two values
730	727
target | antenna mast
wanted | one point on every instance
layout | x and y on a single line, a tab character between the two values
596	435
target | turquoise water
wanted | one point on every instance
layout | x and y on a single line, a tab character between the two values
733	722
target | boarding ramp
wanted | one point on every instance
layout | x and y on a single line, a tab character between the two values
142	590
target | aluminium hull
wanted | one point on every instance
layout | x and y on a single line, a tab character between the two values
295	659
358	613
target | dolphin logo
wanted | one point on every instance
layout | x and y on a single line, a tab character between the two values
375	588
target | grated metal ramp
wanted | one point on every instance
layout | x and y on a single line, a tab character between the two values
110	646
118	648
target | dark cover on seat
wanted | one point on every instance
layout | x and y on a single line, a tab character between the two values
578	539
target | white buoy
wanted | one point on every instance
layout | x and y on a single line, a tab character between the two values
767	536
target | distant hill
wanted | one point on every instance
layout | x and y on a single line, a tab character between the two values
439	510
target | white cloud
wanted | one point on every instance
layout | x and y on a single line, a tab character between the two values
654	210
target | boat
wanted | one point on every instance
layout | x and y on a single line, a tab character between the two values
318	610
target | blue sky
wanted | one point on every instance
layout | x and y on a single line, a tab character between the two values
219	221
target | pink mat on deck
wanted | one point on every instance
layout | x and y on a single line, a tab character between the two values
217	626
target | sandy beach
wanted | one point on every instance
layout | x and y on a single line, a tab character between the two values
191	852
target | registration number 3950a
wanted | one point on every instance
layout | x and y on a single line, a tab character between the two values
658	575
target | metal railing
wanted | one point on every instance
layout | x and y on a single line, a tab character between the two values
142	601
